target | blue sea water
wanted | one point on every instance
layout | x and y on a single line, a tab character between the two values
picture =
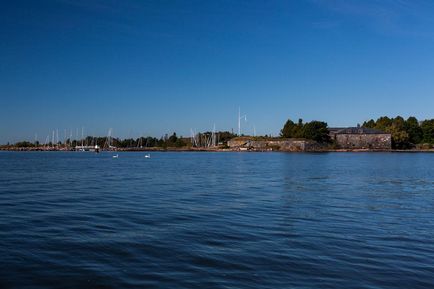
216	220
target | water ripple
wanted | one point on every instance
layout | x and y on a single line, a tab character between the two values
207	220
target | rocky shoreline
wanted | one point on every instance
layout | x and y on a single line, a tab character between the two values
190	149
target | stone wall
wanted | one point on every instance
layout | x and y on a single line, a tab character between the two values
364	141
292	145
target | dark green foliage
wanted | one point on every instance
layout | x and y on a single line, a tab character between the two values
317	131
166	141
292	130
173	138
287	129
369	124
428	131
383	123
180	143
314	130
405	133
174	141
24	144
224	136
397	127
400	137
415	133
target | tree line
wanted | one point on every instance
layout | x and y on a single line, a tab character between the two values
406	133
314	130
165	141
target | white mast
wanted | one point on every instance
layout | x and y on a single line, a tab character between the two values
47	139
82	136
108	140
194	138
240	117
110	137
70	137
239	121
213	137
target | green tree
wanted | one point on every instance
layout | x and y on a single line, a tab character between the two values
298	132
316	130
369	124
400	138
428	131
180	143
292	130
24	144
405	133
415	133
173	138
224	136
288	128
383	123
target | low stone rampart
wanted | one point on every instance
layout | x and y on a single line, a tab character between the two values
293	145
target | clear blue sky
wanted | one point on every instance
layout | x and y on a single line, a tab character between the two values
155	67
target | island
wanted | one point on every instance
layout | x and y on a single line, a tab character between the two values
384	134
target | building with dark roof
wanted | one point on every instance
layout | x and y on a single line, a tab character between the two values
361	138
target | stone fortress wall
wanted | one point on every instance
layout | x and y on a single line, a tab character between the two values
292	145
364	141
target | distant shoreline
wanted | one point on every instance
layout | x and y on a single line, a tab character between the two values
172	149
